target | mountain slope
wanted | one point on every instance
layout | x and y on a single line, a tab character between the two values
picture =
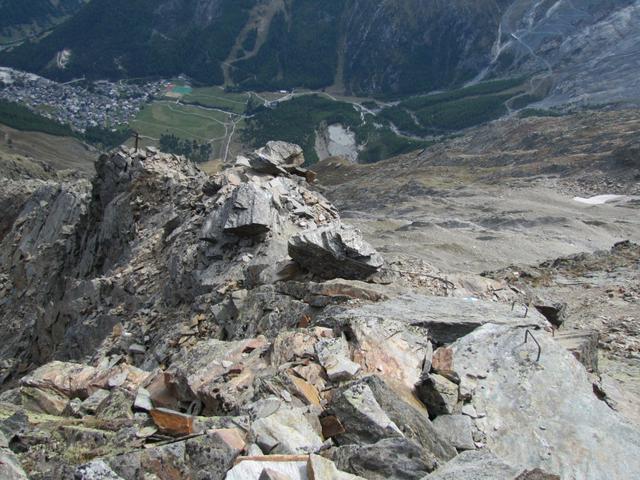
582	52
19	19
122	38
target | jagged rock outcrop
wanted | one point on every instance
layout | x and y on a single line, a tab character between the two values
204	346
335	252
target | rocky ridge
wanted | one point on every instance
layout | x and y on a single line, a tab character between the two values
166	324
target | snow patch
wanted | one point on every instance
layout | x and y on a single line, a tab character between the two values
599	199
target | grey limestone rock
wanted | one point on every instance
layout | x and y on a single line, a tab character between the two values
475	465
457	429
335	251
544	414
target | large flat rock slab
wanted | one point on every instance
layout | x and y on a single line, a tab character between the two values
446	318
543	414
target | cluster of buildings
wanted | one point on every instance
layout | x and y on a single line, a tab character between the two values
80	104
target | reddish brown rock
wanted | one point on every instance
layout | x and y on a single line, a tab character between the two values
331	426
172	423
305	391
442	360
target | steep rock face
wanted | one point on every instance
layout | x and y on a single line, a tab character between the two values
145	241
417	45
587	52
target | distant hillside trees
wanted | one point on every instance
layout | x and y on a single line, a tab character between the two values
194	151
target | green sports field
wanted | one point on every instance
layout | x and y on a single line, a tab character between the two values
216	97
184	121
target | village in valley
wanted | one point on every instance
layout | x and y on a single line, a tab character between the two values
80	104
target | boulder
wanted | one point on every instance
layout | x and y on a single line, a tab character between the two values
320	468
475	465
276	158
207	456
398	458
583	344
544	414
388	348
370	410
297	344
335	251
173	423
333	354
289	431
10	468
248	211
96	470
363	418
44	400
219	374
438	393
91	403
457	430
442	360
293	467
117	405
70	379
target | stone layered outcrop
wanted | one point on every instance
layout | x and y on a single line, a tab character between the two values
162	323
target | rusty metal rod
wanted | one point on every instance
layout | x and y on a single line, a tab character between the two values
528	334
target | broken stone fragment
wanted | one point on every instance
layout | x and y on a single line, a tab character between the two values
270	474
474	465
583	344
457	430
320	468
91	404
442	360
537	474
289	431
137	349
369	410
159	393
331	426
304	390
438	393
143	400
10	468
398	458
333	354
117	405
248	211
96	470
44	400
173	423
335	252
276	158
207	456
250	468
